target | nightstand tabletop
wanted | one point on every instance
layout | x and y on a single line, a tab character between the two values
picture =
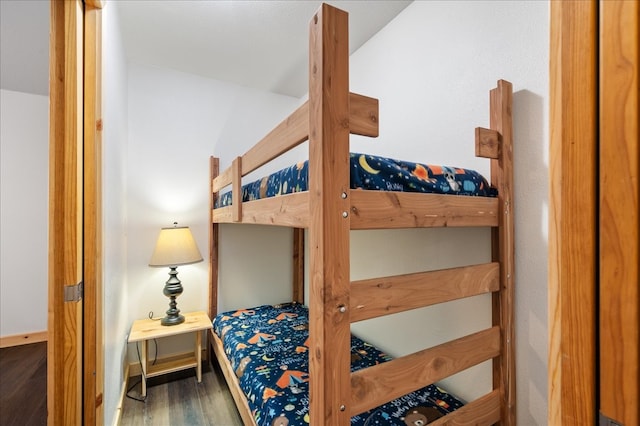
151	328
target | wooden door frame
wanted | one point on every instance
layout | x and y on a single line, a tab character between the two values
619	379
64	348
593	236
75	374
93	352
572	212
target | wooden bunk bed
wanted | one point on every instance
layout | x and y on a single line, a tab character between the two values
330	209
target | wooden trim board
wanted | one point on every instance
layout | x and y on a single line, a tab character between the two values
123	393
23	339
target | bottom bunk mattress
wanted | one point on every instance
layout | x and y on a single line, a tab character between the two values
267	349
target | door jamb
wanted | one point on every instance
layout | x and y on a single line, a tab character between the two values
573	199
93	352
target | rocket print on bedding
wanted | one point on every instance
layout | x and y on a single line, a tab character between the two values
267	347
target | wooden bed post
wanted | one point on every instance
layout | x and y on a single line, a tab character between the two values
502	247
298	265
214	171
329	323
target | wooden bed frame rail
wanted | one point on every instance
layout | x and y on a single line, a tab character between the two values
291	132
330	209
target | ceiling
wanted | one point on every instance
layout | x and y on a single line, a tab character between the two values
259	44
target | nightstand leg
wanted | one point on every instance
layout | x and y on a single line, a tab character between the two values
199	355
144	368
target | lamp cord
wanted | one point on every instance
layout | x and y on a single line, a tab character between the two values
142	375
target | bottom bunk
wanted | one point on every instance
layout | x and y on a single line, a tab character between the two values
263	353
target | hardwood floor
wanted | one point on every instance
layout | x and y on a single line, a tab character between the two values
178	399
23	385
174	399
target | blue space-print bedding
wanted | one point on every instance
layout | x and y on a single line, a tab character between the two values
371	172
267	347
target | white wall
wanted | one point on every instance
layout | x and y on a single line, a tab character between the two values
114	219
176	121
24	206
431	68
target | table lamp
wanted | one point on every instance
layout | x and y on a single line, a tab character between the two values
175	247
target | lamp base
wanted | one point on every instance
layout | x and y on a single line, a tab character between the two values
172	289
172	320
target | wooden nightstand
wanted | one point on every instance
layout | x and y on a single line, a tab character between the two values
147	329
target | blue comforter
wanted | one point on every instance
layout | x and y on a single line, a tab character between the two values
267	347
371	172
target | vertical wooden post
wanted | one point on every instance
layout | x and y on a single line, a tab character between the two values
504	377
236	187
572	212
214	171
298	265
619	212
93	376
329	326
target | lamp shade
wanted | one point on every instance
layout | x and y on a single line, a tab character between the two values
175	247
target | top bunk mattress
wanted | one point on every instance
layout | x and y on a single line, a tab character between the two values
370	172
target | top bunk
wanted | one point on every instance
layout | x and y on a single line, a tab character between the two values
326	121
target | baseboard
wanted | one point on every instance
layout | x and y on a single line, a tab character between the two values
135	369
123	392
23	339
